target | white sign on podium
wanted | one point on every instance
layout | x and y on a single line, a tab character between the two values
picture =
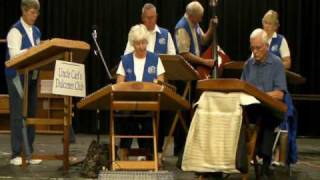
69	79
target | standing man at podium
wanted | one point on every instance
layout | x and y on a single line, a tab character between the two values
22	36
265	71
143	66
159	39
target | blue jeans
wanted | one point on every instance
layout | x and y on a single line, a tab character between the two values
16	117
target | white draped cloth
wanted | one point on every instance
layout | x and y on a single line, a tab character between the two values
213	136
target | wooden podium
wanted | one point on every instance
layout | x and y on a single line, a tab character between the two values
43	57
236	85
178	69
134	96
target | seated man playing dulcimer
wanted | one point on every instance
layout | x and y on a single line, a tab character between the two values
265	71
139	65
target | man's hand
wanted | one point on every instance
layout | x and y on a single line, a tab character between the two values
208	36
44	41
120	78
277	94
209	62
213	22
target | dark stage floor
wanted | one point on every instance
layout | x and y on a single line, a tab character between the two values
307	168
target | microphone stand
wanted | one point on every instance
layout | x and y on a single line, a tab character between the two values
97	52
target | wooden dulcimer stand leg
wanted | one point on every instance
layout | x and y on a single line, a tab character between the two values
177	117
252	131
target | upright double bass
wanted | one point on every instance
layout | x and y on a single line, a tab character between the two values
213	52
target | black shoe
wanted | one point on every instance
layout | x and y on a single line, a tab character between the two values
216	176
266	171
264	177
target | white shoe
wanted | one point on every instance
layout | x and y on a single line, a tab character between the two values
259	161
17	161
34	161
277	164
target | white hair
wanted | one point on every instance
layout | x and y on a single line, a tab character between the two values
29	4
259	33
194	8
148	6
137	33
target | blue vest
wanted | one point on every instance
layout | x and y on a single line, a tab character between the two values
183	23
149	71
275	45
25	44
161	44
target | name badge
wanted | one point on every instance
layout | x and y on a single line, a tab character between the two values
274	48
129	71
162	41
151	69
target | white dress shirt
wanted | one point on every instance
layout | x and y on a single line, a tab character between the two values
14	39
152	41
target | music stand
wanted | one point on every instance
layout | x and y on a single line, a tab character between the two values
178	69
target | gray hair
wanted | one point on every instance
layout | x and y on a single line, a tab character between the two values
137	33
194	8
259	33
146	7
30	4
